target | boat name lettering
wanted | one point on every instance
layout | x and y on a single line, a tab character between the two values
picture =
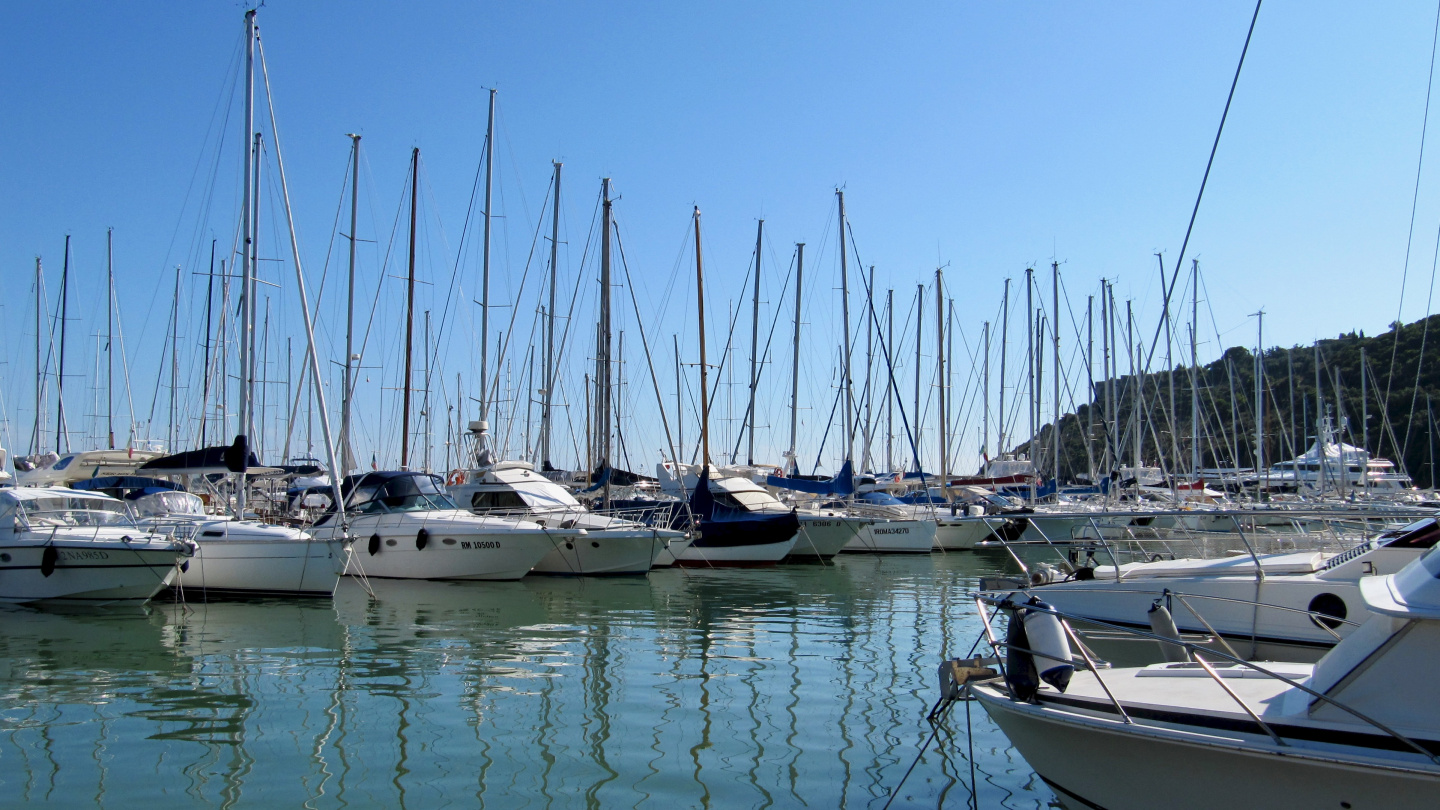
892	531
479	544
84	555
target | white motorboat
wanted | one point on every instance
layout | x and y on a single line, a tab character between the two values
405	526
63	546
56	469
1223	591
614	544
233	557
1353	730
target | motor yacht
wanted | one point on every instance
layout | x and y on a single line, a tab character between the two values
615	544
1353	730
233	557
403	525
64	546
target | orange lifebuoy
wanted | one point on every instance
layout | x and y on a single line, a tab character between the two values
457	477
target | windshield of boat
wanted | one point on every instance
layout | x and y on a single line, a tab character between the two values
71	510
404	493
169	503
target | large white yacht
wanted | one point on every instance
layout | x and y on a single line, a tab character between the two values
233	557
1354	730
614	544
404	525
63	546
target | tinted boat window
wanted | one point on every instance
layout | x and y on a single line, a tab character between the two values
1422	534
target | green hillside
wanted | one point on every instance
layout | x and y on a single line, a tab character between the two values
1399	425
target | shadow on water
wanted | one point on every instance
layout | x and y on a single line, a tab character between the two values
787	687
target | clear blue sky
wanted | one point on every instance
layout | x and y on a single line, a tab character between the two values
982	136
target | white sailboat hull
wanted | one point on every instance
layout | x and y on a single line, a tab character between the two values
894	537
286	568
823	536
962	533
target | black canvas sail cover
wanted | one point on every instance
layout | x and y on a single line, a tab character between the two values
231	458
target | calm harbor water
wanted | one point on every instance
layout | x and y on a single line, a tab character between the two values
800	686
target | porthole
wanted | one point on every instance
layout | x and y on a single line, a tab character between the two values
594	544
449	541
390	542
4	558
1328	605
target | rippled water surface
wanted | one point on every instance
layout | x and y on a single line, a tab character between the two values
799	686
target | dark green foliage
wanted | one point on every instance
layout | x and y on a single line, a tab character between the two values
1227	432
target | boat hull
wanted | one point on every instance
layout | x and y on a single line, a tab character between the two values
822	536
743	542
962	533
1097	762
466	547
603	552
86	574
261	568
894	537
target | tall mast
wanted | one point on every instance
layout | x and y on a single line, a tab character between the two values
1004	346
940	371
1170	366
919	336
485	267
410	312
704	370
1055	372
205	368
603	391
1090	390
247	317
347	454
1321	439
795	357
845	317
252	259
1260	399
60	369
1030	320
549	372
679	404
1138	406
1194	369
1365	419
754	344
869	433
985	411
174	361
889	395
425	401
110	333
39	369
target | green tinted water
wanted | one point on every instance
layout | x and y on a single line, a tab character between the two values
800	686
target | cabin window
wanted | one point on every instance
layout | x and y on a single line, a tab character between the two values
1422	534
497	499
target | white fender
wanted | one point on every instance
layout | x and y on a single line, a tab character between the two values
1052	648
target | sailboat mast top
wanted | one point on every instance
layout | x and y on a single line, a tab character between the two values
795	358
849	442
704	370
485	266
754	344
409	312
549	376
347	455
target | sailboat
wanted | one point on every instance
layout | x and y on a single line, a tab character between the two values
737	521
